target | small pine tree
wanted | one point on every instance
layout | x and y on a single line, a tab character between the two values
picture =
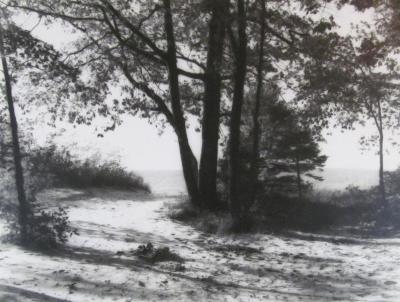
290	152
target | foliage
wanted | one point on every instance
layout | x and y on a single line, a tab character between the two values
41	77
358	83
386	17
204	220
153	255
48	229
58	166
392	181
290	151
107	50
351	209
183	211
279	211
28	60
158	54
351	195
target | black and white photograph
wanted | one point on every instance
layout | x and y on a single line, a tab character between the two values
199	150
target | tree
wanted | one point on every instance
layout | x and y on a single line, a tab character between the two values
212	100
290	38
175	63
379	97
189	162
23	212
114	43
239	47
387	24
256	124
291	151
357	83
29	60
387	21
386	17
119	39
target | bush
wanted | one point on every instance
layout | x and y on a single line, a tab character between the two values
183	211
350	196
203	220
353	208
153	255
392	182
46	228
60	168
281	211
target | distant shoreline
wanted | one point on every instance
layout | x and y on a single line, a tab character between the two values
171	182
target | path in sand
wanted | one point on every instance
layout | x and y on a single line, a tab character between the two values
97	264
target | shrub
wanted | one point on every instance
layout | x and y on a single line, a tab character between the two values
321	209
183	210
60	168
153	255
281	211
48	229
392	182
350	196
203	220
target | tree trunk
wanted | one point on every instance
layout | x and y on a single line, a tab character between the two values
189	167
211	103
189	162
299	192
382	191
19	175
236	114
256	113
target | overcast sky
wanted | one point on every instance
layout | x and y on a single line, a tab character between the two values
140	146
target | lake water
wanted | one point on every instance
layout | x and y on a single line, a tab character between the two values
172	182
164	182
